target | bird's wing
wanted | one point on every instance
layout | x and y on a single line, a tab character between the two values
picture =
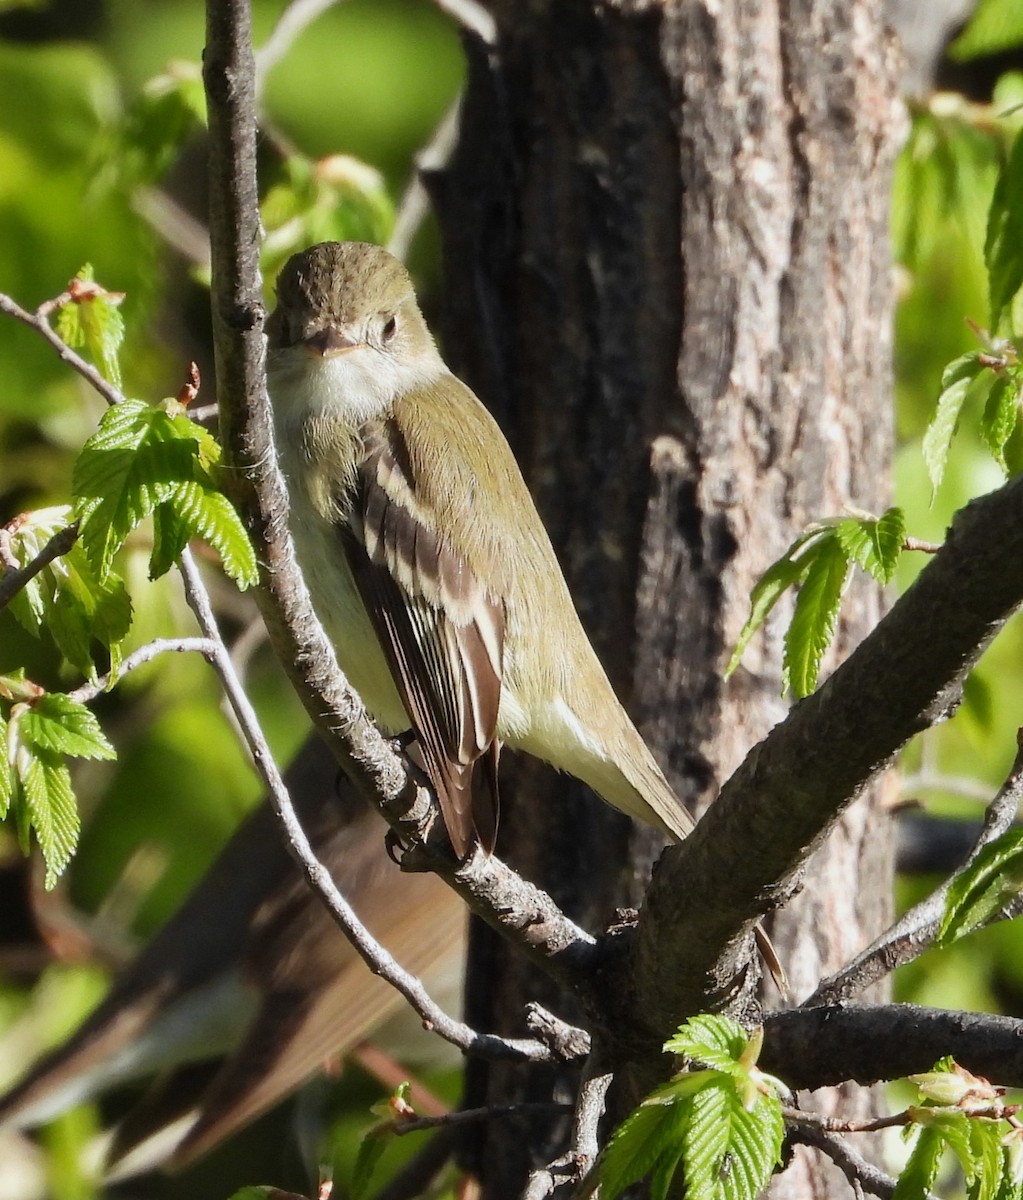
441	630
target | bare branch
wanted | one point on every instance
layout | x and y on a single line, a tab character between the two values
376	957
779	805
415	202
14	579
916	930
207	647
370	761
849	1161
817	1047
465	1116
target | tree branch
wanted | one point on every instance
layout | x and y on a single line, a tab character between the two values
915	931
849	1161
791	788
15	578
383	776
816	1047
376	957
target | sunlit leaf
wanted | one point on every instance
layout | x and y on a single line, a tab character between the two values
993	878
815	617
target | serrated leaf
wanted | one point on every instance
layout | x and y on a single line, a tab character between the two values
1002	246
67	598
712	1040
50	808
921	1169
874	544
129	466
769	589
211	516
993	877
57	723
815	616
988	1159
938	437
371	1149
729	1152
171	533
637	1146
1000	416
94	322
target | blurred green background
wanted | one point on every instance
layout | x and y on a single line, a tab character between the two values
97	164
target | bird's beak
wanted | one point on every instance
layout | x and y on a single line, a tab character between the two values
331	341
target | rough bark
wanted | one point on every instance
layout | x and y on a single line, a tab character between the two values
666	237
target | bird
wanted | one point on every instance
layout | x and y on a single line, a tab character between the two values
425	557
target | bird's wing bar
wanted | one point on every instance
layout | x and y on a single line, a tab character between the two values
442	634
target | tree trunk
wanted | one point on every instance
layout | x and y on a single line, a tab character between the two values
665	229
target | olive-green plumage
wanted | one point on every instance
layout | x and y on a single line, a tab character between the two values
424	554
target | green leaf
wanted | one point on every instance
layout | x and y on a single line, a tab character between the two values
815	616
994	877
1000	416
211	516
874	545
128	466
729	1152
938	437
50	808
770	587
921	1168
727	1147
714	1041
995	26
67	598
92	319
988	1157
171	534
371	1149
170	107
1003	246
142	460
647	1135
57	723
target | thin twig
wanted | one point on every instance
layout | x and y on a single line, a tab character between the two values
589	1108
13	580
207	647
415	202
385	777
293	21
912	543
915	931
576	1165
378	959
835	1125
39	323
849	1161
465	1116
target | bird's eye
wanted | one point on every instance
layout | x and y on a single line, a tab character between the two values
389	329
